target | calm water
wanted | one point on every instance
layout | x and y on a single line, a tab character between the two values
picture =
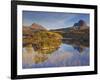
65	55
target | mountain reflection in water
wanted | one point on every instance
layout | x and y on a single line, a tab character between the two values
65	55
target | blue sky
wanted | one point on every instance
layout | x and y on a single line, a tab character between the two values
53	20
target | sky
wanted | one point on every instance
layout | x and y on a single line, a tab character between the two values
53	20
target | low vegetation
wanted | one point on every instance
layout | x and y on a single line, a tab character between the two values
43	41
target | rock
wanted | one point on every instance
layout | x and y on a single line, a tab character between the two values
36	26
81	24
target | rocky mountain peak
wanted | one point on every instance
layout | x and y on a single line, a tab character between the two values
81	24
36	26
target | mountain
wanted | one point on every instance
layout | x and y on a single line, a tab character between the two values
36	26
40	38
28	30
81	24
78	32
32	28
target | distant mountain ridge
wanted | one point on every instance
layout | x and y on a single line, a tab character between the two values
78	32
28	30
81	24
36	26
33	27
